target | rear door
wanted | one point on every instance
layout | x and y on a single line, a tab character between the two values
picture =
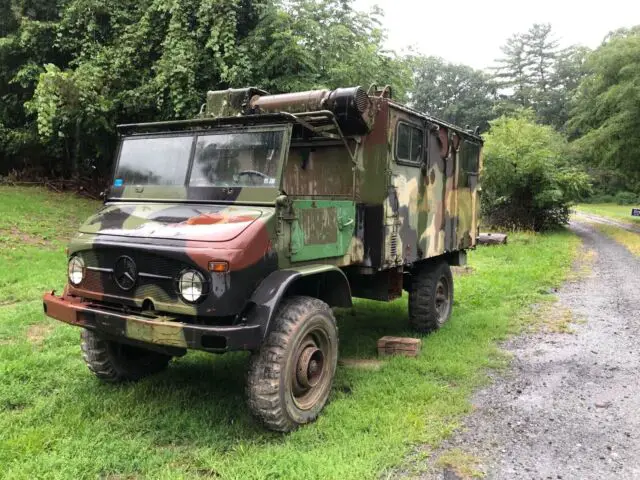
467	208
405	200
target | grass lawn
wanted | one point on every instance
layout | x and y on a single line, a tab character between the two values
611	210
58	421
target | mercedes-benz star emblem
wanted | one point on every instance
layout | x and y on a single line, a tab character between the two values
125	273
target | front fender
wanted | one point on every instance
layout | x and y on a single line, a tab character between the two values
326	282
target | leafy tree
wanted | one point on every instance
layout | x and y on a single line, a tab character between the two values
72	69
527	180
606	112
306	44
455	93
27	38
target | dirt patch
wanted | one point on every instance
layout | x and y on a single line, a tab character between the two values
37	333
365	364
15	235
6	303
458	464
462	271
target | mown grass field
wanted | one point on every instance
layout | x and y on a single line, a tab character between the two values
610	210
57	421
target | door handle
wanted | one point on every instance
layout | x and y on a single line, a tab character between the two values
344	225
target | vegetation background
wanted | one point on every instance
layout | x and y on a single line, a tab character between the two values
70	70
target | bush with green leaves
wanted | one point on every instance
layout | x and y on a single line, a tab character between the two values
528	181
626	198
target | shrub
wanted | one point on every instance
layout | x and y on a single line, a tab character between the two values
626	198
600	198
527	182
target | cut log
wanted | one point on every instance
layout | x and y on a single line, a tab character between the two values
492	239
409	347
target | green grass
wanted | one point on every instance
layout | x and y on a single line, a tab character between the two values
610	210
57	421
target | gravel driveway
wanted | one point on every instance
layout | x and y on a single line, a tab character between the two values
569	407
608	221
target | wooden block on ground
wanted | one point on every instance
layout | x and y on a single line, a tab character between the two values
409	347
492	239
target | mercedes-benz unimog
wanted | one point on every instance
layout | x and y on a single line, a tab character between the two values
241	229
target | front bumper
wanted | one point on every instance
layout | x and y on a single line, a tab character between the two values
164	331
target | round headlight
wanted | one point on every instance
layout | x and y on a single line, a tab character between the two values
191	285
76	270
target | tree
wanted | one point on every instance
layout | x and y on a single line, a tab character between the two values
307	44
527	181
513	73
569	70
606	111
534	72
455	93
70	70
27	41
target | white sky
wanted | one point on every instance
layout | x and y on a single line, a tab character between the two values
471	32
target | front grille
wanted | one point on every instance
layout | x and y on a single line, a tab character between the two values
160	289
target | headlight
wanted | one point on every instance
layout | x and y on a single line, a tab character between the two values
191	285
76	270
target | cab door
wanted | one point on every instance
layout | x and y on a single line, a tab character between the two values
321	229
319	179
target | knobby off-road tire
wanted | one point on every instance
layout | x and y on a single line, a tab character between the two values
290	378
430	296
116	362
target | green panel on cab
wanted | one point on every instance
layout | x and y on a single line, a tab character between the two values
321	228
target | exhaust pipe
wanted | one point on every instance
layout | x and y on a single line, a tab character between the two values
351	106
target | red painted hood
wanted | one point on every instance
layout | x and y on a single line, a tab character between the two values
213	223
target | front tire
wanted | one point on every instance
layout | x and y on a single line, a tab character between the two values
115	362
430	296
291	376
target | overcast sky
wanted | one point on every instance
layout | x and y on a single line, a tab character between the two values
471	32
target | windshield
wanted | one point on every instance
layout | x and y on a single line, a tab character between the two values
224	159
247	159
153	161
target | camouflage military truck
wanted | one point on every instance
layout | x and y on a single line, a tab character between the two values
241	229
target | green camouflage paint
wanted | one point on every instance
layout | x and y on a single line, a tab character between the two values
340	201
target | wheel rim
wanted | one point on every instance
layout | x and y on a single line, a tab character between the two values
310	374
443	300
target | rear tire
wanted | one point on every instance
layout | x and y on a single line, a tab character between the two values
117	362
291	376
430	296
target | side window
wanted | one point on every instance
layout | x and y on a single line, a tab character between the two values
468	156
409	141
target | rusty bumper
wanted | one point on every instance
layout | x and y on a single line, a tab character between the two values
164	331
